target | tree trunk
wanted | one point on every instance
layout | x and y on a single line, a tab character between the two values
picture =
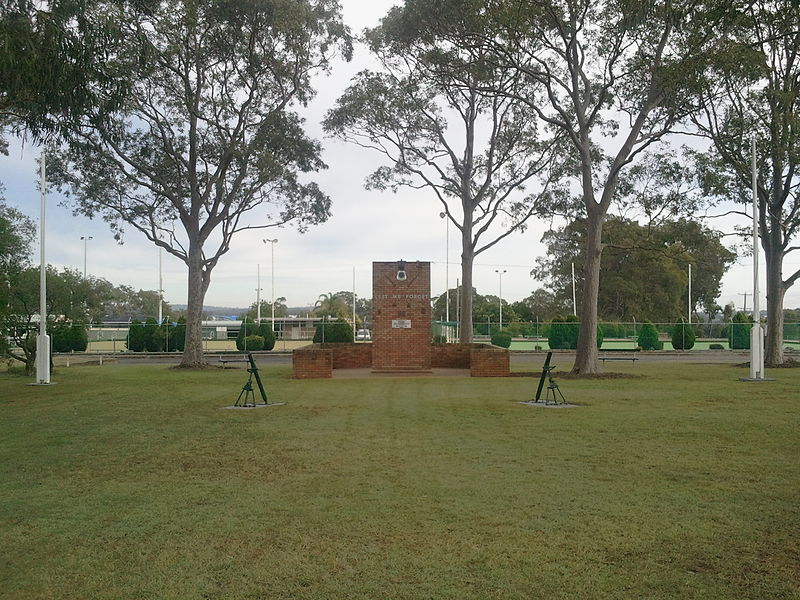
193	348
773	348
586	354
467	258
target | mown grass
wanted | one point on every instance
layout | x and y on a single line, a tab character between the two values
132	482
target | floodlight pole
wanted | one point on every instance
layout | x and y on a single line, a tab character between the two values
42	340
756	337
258	293
574	304
500	274
690	294
443	215
160	288
85	239
272	243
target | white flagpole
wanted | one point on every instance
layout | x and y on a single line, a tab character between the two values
756	336
42	340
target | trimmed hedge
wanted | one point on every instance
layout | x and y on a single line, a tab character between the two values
136	336
333	332
501	338
648	337
683	336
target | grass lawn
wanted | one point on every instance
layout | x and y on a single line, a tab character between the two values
131	482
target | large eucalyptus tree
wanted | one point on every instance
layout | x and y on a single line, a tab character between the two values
756	95
206	143
614	77
449	121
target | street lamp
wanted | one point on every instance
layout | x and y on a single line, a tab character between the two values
500	274
258	294
272	277
85	250
443	215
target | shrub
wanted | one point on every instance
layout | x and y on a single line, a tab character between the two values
648	337
716	347
268	335
333	332
177	341
60	337
247	328
501	338
440	339
740	331
563	333
254	343
78	337
683	336
136	336
153	336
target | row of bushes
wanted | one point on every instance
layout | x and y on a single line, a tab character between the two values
563	334
152	337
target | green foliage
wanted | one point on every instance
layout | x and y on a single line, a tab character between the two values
333	332
247	328
78	337
153	336
254	343
648	337
502	338
60	337
716	347
178	338
643	267
440	339
249	145
563	333
136	336
683	336
267	335
739	331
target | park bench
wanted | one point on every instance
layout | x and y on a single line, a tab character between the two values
232	359
616	357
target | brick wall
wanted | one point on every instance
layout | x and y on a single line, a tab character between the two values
396	303
489	361
350	356
312	362
451	356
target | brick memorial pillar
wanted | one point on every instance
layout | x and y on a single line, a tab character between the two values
401	316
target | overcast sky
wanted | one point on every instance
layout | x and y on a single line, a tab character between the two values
365	227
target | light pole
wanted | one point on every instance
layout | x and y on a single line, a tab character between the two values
258	294
574	304
690	294
500	274
272	278
85	239
443	215
160	288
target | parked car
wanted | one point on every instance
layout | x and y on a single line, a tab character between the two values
363	335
